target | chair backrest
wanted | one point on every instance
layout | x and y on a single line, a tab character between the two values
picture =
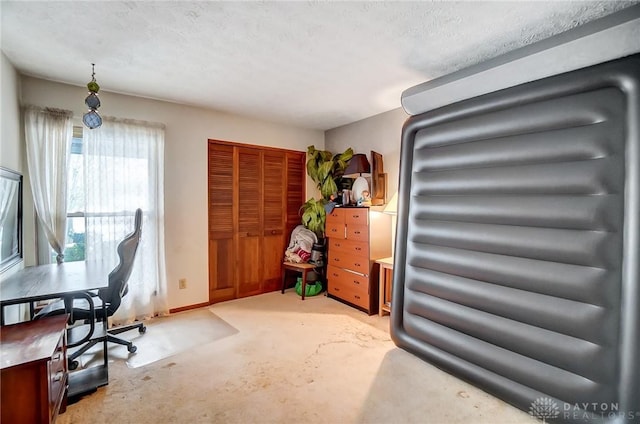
119	277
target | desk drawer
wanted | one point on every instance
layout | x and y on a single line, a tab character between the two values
57	377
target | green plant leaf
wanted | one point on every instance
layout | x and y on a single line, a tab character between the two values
314	216
342	160
325	169
328	188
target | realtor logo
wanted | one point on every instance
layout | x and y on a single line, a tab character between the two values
544	409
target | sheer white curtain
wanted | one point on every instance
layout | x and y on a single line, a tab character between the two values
48	135
123	171
8	192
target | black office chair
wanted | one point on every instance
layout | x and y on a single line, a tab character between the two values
106	301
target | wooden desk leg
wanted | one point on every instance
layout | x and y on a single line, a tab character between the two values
304	282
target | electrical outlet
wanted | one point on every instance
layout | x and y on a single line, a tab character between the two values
182	283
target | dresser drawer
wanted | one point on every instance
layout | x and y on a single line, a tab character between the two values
350	262
354	282
334	231
356	248
336	217
355	216
349	247
337	245
347	294
358	232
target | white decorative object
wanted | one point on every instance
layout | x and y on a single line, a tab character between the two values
359	185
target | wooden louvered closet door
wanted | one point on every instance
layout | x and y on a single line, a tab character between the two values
296	173
247	238
273	206
249	225
222	222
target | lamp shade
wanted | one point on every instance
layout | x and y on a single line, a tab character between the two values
392	207
358	164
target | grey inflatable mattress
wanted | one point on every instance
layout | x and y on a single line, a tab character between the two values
518	239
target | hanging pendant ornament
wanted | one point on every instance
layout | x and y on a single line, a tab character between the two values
92	119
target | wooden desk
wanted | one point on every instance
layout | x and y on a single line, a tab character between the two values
53	281
64	281
386	280
33	370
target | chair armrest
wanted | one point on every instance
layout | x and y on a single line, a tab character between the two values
69	301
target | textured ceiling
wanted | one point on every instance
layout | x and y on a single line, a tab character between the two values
315	65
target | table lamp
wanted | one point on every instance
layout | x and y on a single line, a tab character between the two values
392	209
358	164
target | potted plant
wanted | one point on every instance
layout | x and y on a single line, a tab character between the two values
325	169
314	216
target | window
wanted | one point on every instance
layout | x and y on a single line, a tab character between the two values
129	169
135	174
75	244
111	172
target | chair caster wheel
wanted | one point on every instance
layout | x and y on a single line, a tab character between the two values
73	365
132	349
142	329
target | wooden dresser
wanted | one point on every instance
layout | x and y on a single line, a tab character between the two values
34	370
357	237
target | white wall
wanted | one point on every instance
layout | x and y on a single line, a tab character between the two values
12	152
187	131
380	133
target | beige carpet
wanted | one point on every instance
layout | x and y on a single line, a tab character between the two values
292	361
165	337
171	335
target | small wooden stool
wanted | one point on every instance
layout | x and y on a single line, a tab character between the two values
302	268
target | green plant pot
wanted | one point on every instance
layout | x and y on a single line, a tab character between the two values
311	289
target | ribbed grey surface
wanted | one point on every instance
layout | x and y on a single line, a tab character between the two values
515	206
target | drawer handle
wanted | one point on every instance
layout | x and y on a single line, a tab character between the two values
336	259
335	275
358	248
357	297
273	231
355	216
338	245
58	376
356	232
358	265
337	289
356	282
